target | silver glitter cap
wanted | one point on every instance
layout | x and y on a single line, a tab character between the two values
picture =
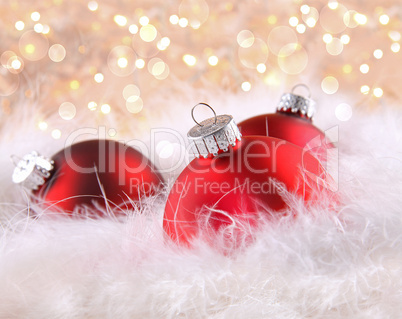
32	170
213	135
291	103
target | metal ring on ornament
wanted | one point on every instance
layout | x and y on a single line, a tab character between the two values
192	112
303	85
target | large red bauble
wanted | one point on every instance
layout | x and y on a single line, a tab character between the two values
289	127
87	172
239	184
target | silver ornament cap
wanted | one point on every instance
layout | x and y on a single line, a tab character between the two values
32	170
302	106
213	135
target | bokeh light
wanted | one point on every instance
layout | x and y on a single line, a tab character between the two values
330	85
67	111
343	112
57	53
33	46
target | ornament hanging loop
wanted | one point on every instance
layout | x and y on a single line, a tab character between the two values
205	104
301	85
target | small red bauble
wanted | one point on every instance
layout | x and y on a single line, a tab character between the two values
82	175
237	180
293	123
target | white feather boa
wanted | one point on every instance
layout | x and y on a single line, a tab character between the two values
326	264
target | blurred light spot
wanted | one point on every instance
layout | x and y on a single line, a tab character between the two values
293	21
35	16
122	62
46	29
360	18
384	19
279	37
305	9
347	68
292	58
189	59
364	68
311	22
120	20
174	19
9	81
251	56
272	19
327	38
332	19
345	39
56	134
333	4
349	20
183	22
394	35
335	47
330	85
378	54
57	53
261	68
246	86
195	11
67	111
133	29
163	43
301	28
395	47
92	106
92	5
156	66
105	108
134	105
19	25
38	27
148	33
213	60
140	63
245	38
131	92
112	132
16	64
30	48
365	89
378	92
98	77
74	84
343	112
144	20
42	126
33	46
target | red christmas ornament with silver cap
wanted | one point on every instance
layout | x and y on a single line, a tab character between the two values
292	122
234	179
88	175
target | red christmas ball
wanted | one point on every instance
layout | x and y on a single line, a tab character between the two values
293	123
236	185
82	175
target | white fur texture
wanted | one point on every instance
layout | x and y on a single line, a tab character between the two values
342	263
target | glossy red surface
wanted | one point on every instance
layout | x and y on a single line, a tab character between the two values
87	170
291	128
242	183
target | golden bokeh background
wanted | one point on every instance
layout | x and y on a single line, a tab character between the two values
95	59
